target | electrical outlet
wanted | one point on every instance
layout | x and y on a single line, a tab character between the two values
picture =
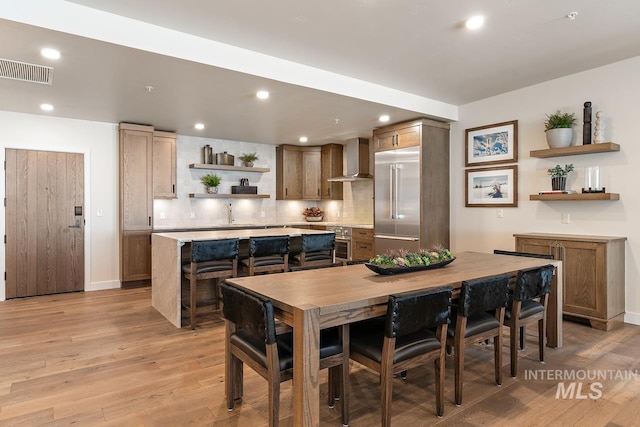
500	213
566	218
337	214
262	214
99	212
193	215
162	215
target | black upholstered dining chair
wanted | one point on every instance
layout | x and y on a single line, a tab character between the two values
405	338
251	339
527	305
210	259
472	323
269	254
316	250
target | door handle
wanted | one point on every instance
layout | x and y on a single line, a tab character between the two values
77	225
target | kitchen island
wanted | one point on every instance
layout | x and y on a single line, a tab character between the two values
166	262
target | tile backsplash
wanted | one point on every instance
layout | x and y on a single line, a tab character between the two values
185	212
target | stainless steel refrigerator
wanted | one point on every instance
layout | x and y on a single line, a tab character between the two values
397	199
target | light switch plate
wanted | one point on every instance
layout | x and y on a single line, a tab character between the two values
500	213
566	218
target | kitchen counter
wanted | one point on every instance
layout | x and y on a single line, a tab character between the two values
235	226
166	262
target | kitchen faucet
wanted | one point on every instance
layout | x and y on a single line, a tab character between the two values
229	214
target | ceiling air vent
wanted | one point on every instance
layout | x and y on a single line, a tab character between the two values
16	70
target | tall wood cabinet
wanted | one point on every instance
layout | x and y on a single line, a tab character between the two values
433	187
298	173
136	201
593	273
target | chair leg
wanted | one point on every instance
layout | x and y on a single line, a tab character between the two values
344	391
459	368
439	377
274	402
403	375
386	377
542	335
331	387
192	301
497	356
513	349
523	333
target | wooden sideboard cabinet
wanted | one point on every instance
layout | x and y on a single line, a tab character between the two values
593	273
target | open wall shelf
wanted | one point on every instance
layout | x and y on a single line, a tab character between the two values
227	196
605	147
575	196
227	168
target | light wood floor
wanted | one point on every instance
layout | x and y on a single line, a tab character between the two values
108	358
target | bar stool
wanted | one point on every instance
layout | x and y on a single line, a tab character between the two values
317	250
268	254
210	259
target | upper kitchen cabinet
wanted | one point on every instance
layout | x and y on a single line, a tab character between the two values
331	163
288	172
298	173
136	180
397	136
311	173
164	165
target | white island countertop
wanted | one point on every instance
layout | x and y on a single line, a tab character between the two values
188	236
260	225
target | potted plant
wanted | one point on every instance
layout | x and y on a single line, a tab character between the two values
313	214
248	159
559	176
558	128
211	181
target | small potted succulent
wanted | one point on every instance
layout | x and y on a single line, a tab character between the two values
559	176
249	158
313	214
211	181
559	130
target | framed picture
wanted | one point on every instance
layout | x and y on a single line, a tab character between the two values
492	187
492	144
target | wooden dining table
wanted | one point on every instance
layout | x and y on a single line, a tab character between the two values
315	299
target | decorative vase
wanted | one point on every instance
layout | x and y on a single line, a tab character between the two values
212	190
248	164
559	183
559	137
314	218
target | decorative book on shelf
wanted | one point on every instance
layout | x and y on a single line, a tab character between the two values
557	192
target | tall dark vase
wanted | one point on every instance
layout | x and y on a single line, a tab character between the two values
559	183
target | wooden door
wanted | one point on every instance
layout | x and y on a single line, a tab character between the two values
136	187
44	222
408	137
331	164
288	173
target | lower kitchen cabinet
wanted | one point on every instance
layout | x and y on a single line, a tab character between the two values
362	248
135	259
593	273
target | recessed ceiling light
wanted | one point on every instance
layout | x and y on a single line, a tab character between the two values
199	126
262	94
50	53
303	139
474	22
46	107
384	118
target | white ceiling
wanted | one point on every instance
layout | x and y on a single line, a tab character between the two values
405	58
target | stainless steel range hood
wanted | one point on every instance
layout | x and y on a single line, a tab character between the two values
357	151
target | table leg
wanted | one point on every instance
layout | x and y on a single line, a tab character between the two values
306	366
554	310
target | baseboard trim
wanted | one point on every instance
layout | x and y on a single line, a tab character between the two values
633	318
100	286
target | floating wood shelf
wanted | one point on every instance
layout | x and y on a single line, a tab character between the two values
227	168
227	196
605	147
575	196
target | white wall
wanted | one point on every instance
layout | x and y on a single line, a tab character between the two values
613	89
99	144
